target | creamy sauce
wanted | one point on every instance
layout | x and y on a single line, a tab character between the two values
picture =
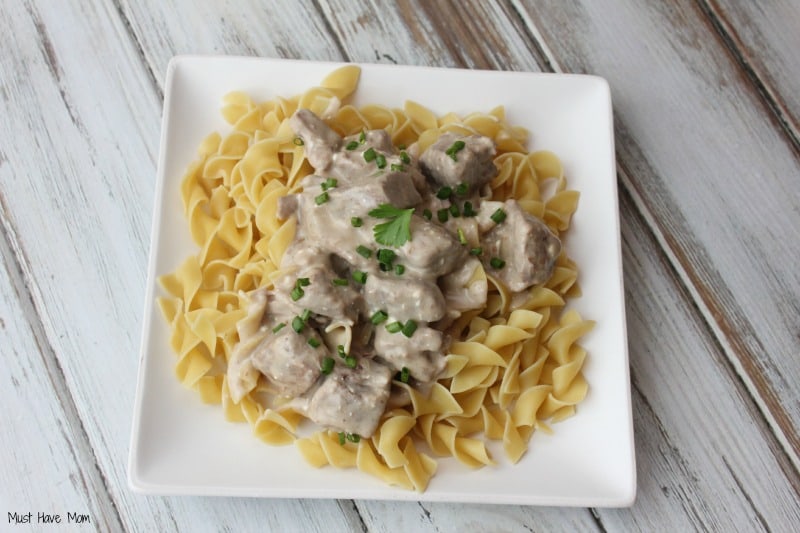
351	314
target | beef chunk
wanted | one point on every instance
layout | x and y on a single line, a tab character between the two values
527	246
473	164
352	399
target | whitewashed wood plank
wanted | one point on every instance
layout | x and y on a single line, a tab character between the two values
285	28
704	162
765	38
388	517
40	439
706	458
81	130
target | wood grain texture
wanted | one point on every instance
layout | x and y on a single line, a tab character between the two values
85	121
42	437
764	38
704	191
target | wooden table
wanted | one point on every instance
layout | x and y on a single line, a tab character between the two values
707	108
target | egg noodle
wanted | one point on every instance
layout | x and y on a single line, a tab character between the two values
513	366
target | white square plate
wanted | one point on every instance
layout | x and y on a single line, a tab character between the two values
180	446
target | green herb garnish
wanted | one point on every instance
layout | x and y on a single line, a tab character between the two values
298	141
360	276
321	199
356	222
370	155
498	216
469	211
363	251
454	149
397	230
404	374
394	327
378	317
313	342
341	282
461	237
279	327
350	361
497	263
352	145
296	293
327	367
409	328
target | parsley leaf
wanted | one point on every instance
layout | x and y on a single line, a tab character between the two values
397	230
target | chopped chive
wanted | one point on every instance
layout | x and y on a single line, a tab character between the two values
397	168
313	342
305	315
380	160
385	267
362	137
356	222
462	189
427	214
476	251
340	351
444	193
298	325
394	327
350	361
370	155
399	270
353	437
461	237
468	210
497	263
352	145
441	214
401	146
329	183
360	276
454	211
340	282
296	294
327	365
386	256
363	251
321	199
302	282
404	374
341	438
378	317
298	141
498	216
279	327
404	157
409	328
454	149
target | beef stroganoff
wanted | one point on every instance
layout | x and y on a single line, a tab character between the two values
394	278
